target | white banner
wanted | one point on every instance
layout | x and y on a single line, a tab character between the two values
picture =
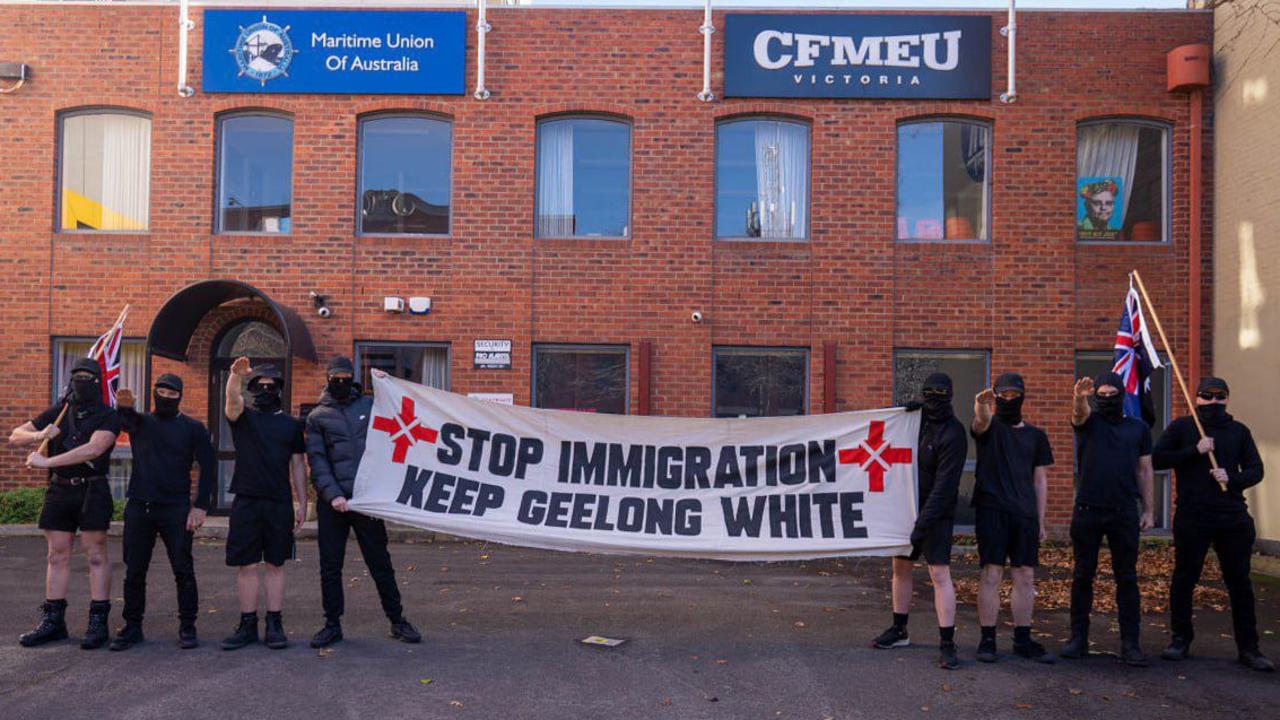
735	489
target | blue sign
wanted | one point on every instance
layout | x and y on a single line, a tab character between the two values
858	56
349	52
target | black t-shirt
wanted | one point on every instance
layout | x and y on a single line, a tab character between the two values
265	442
1007	459
78	426
1107	457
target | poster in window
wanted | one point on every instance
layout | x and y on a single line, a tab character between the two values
1099	211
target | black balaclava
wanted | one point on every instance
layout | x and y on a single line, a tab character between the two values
1215	414
264	400
167	407
340	388
86	392
1009	412
937	409
1111	408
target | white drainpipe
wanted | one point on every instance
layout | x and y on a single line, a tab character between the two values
1011	31
707	29
184	26
482	28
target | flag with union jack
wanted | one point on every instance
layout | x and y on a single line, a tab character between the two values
1135	359
106	350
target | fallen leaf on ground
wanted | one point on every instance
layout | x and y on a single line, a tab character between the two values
424	681
722	662
455	704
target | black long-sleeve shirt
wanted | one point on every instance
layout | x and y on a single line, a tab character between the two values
163	452
943	448
1236	452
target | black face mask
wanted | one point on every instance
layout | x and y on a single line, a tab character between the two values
340	388
937	408
1009	412
164	407
1109	407
265	400
1214	415
85	391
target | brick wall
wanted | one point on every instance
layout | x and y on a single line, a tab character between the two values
1032	296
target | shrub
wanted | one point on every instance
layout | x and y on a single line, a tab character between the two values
21	505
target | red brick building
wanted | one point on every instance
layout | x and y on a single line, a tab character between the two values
855	295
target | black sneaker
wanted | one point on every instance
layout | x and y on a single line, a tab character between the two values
127	637
1032	650
328	635
53	624
987	650
404	632
187	638
947	658
275	637
894	637
1077	648
1131	654
1179	649
97	634
1255	660
246	633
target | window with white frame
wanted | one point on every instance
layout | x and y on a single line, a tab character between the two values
583	178
255	173
944	180
1122	181
104	177
762	179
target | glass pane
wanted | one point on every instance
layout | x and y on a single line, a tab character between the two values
969	373
424	364
760	383
583	379
584	178
1121	184
943	189
106	172
255	174
762	179
253	339
405	171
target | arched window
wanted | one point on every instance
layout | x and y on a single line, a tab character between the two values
1122	181
405	175
255	173
104	171
762	179
944	180
583	178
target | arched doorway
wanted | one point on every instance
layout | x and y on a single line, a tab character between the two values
262	344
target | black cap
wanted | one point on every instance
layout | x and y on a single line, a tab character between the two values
938	381
1108	378
1009	381
340	364
1213	383
88	365
171	381
262	372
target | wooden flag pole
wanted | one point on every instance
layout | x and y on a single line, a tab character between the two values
1173	361
44	446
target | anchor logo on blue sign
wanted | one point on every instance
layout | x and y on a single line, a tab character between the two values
263	51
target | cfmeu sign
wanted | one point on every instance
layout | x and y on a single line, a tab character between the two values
858	56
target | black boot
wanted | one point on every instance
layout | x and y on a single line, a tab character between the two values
328	635
187	638
53	624
275	637
97	634
246	632
128	636
1131	654
404	632
1254	660
1179	649
947	658
1077	647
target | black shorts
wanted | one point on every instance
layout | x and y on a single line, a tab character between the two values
86	507
936	546
1006	536
260	530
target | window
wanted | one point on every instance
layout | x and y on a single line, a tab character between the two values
405	175
583	178
944	187
969	371
105	176
1089	364
1122	189
586	378
760	382
255	173
762	179
425	364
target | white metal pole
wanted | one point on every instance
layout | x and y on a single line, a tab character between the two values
184	26
482	29
707	30
1011	31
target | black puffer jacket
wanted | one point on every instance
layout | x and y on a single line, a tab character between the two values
335	443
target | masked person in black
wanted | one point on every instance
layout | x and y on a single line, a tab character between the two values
269	451
942	451
1010	495
1212	512
1113	458
165	443
78	498
336	431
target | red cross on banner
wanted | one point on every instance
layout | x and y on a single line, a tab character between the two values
405	429
875	456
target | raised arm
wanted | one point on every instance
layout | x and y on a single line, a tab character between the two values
1080	401
984	406
234	406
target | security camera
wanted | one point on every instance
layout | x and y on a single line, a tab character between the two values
696	316
324	311
319	302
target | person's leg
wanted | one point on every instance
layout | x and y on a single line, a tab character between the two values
95	549
332	531
1086	539
902	585
1190	545
944	595
989	594
177	544
1022	599
1234	546
139	543
274	582
247	588
1123	535
58	571
371	535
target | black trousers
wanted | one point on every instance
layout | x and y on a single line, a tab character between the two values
371	534
1089	525
1232	539
143	523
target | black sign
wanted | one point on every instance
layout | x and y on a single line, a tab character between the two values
493	354
858	56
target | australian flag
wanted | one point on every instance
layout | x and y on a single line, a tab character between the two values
1135	358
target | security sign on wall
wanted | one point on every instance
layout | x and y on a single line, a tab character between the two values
492	354
334	51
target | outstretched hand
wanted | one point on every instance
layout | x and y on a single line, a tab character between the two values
241	367
1084	387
